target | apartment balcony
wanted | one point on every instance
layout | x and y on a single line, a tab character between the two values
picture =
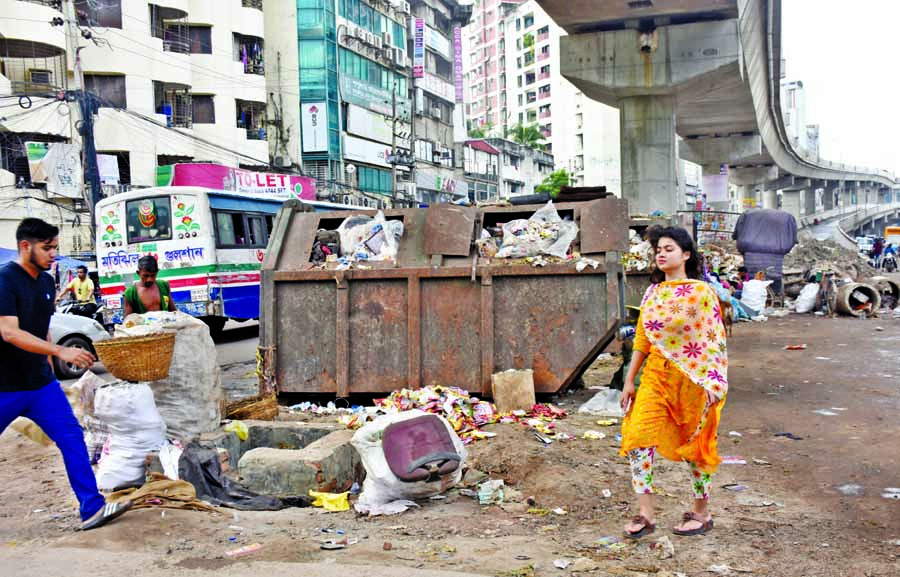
543	76
256	133
545	114
544	36
531	98
543	95
543	56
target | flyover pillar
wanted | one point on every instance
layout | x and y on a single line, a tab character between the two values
809	201
770	198
830	195
649	154
792	202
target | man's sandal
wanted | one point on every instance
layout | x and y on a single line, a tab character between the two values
705	525
645	530
109	512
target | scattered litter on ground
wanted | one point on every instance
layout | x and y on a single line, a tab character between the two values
823	358
851	490
795	348
736	487
606	493
491	492
593	435
559	511
734	434
733	460
245	550
331	502
561	563
891	493
788	435
604	404
825	413
238	428
664	547
762	462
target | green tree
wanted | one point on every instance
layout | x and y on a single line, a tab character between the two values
529	136
482	131
554	181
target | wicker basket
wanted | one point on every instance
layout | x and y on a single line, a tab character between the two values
138	359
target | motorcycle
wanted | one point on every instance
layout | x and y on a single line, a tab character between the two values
889	263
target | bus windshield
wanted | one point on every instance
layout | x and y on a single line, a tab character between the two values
149	219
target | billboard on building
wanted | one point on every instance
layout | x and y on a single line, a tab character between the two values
377	99
419	49
366	151
458	63
374	126
56	164
218	177
314	126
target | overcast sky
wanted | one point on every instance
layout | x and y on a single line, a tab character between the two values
844	52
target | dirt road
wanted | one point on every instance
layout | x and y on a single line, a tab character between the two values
808	507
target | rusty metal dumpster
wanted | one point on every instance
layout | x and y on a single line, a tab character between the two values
439	314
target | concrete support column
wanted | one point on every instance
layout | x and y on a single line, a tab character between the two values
829	196
648	148
724	205
770	198
809	201
792	202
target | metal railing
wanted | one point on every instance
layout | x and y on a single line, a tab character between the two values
256	134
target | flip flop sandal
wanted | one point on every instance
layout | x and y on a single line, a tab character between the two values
109	512
647	528
705	525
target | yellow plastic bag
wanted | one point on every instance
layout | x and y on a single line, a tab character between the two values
239	428
331	501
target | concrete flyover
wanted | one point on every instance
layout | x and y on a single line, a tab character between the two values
701	80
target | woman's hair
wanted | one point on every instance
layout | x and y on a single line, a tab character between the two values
684	241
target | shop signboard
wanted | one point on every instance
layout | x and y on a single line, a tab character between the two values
314	125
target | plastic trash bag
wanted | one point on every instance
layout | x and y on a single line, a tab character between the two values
544	233
366	238
381	485
754	294
135	429
806	302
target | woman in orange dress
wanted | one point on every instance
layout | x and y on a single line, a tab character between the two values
676	411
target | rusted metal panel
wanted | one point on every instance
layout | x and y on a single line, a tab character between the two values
306	351
378	335
547	324
451	333
449	229
604	226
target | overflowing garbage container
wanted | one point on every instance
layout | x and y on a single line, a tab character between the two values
445	295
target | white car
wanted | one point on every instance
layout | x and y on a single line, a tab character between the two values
74	331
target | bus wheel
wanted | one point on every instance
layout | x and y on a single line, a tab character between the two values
215	324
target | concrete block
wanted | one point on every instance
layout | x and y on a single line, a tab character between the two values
329	464
277	435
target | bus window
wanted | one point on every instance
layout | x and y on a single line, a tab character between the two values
149	219
257	231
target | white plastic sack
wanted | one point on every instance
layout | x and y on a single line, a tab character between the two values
367	238
191	399
544	233
754	294
606	403
135	429
807	299
381	486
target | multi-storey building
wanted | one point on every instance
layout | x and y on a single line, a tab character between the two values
351	116
513	78
521	168
175	81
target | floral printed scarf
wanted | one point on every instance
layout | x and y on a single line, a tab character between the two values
683	321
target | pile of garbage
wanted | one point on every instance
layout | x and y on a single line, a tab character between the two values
544	234
723	257
640	254
467	414
827	255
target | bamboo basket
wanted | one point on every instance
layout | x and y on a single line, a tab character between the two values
253	408
138	359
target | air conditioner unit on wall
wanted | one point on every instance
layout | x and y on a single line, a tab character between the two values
387	38
405	7
378	42
400	57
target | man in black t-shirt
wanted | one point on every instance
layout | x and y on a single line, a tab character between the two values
28	387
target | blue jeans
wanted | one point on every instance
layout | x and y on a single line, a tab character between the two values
49	408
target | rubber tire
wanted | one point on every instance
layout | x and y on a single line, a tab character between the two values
63	369
215	324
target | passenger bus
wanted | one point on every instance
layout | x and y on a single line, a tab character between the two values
209	244
892	235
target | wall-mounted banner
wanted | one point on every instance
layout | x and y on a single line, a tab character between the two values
218	177
314	123
56	164
419	49
458	63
